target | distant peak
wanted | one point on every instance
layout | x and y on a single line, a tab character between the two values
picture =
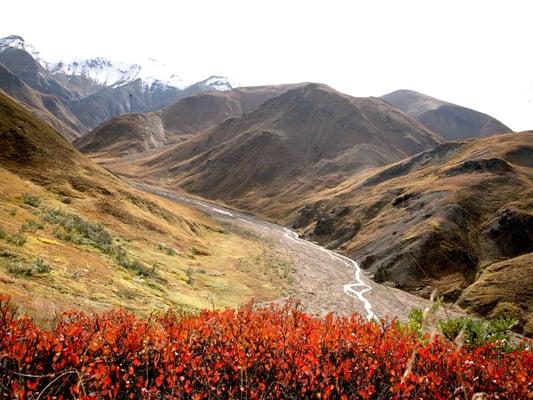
148	72
12	38
217	82
407	92
13	41
107	72
18	42
316	86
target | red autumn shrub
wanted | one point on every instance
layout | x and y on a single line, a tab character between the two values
245	354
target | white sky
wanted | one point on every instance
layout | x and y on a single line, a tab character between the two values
474	53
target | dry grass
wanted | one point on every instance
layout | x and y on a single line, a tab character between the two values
87	276
101	218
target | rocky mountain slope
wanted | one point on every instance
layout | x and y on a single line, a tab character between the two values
309	137
74	235
22	74
134	133
46	106
458	218
89	92
125	134
448	120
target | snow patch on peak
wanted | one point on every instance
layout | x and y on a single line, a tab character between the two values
216	82
100	70
18	42
151	73
110	73
155	72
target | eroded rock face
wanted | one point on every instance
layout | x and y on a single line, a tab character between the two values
436	259
326	224
493	165
305	216
512	231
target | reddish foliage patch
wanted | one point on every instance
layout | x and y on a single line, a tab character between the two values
245	354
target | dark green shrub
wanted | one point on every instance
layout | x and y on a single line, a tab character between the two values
138	267
38	267
77	230
189	272
18	239
31	226
133	265
122	257
66	200
31	200
167	249
477	332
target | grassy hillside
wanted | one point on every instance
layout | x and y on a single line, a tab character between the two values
73	234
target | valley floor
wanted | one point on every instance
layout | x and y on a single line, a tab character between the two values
323	281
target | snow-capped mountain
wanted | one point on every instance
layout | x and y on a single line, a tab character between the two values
18	42
220	83
83	93
109	73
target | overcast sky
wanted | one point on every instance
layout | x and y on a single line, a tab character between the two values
474	53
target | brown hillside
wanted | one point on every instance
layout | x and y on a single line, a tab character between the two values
309	137
456	217
46	106
125	134
448	120
195	113
135	133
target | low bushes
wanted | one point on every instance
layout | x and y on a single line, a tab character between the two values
66	199
75	229
474	332
31	200
31	226
18	239
167	249
38	267
78	230
246	354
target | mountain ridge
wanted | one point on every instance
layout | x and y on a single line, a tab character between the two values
449	120
92	91
311	130
176	122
